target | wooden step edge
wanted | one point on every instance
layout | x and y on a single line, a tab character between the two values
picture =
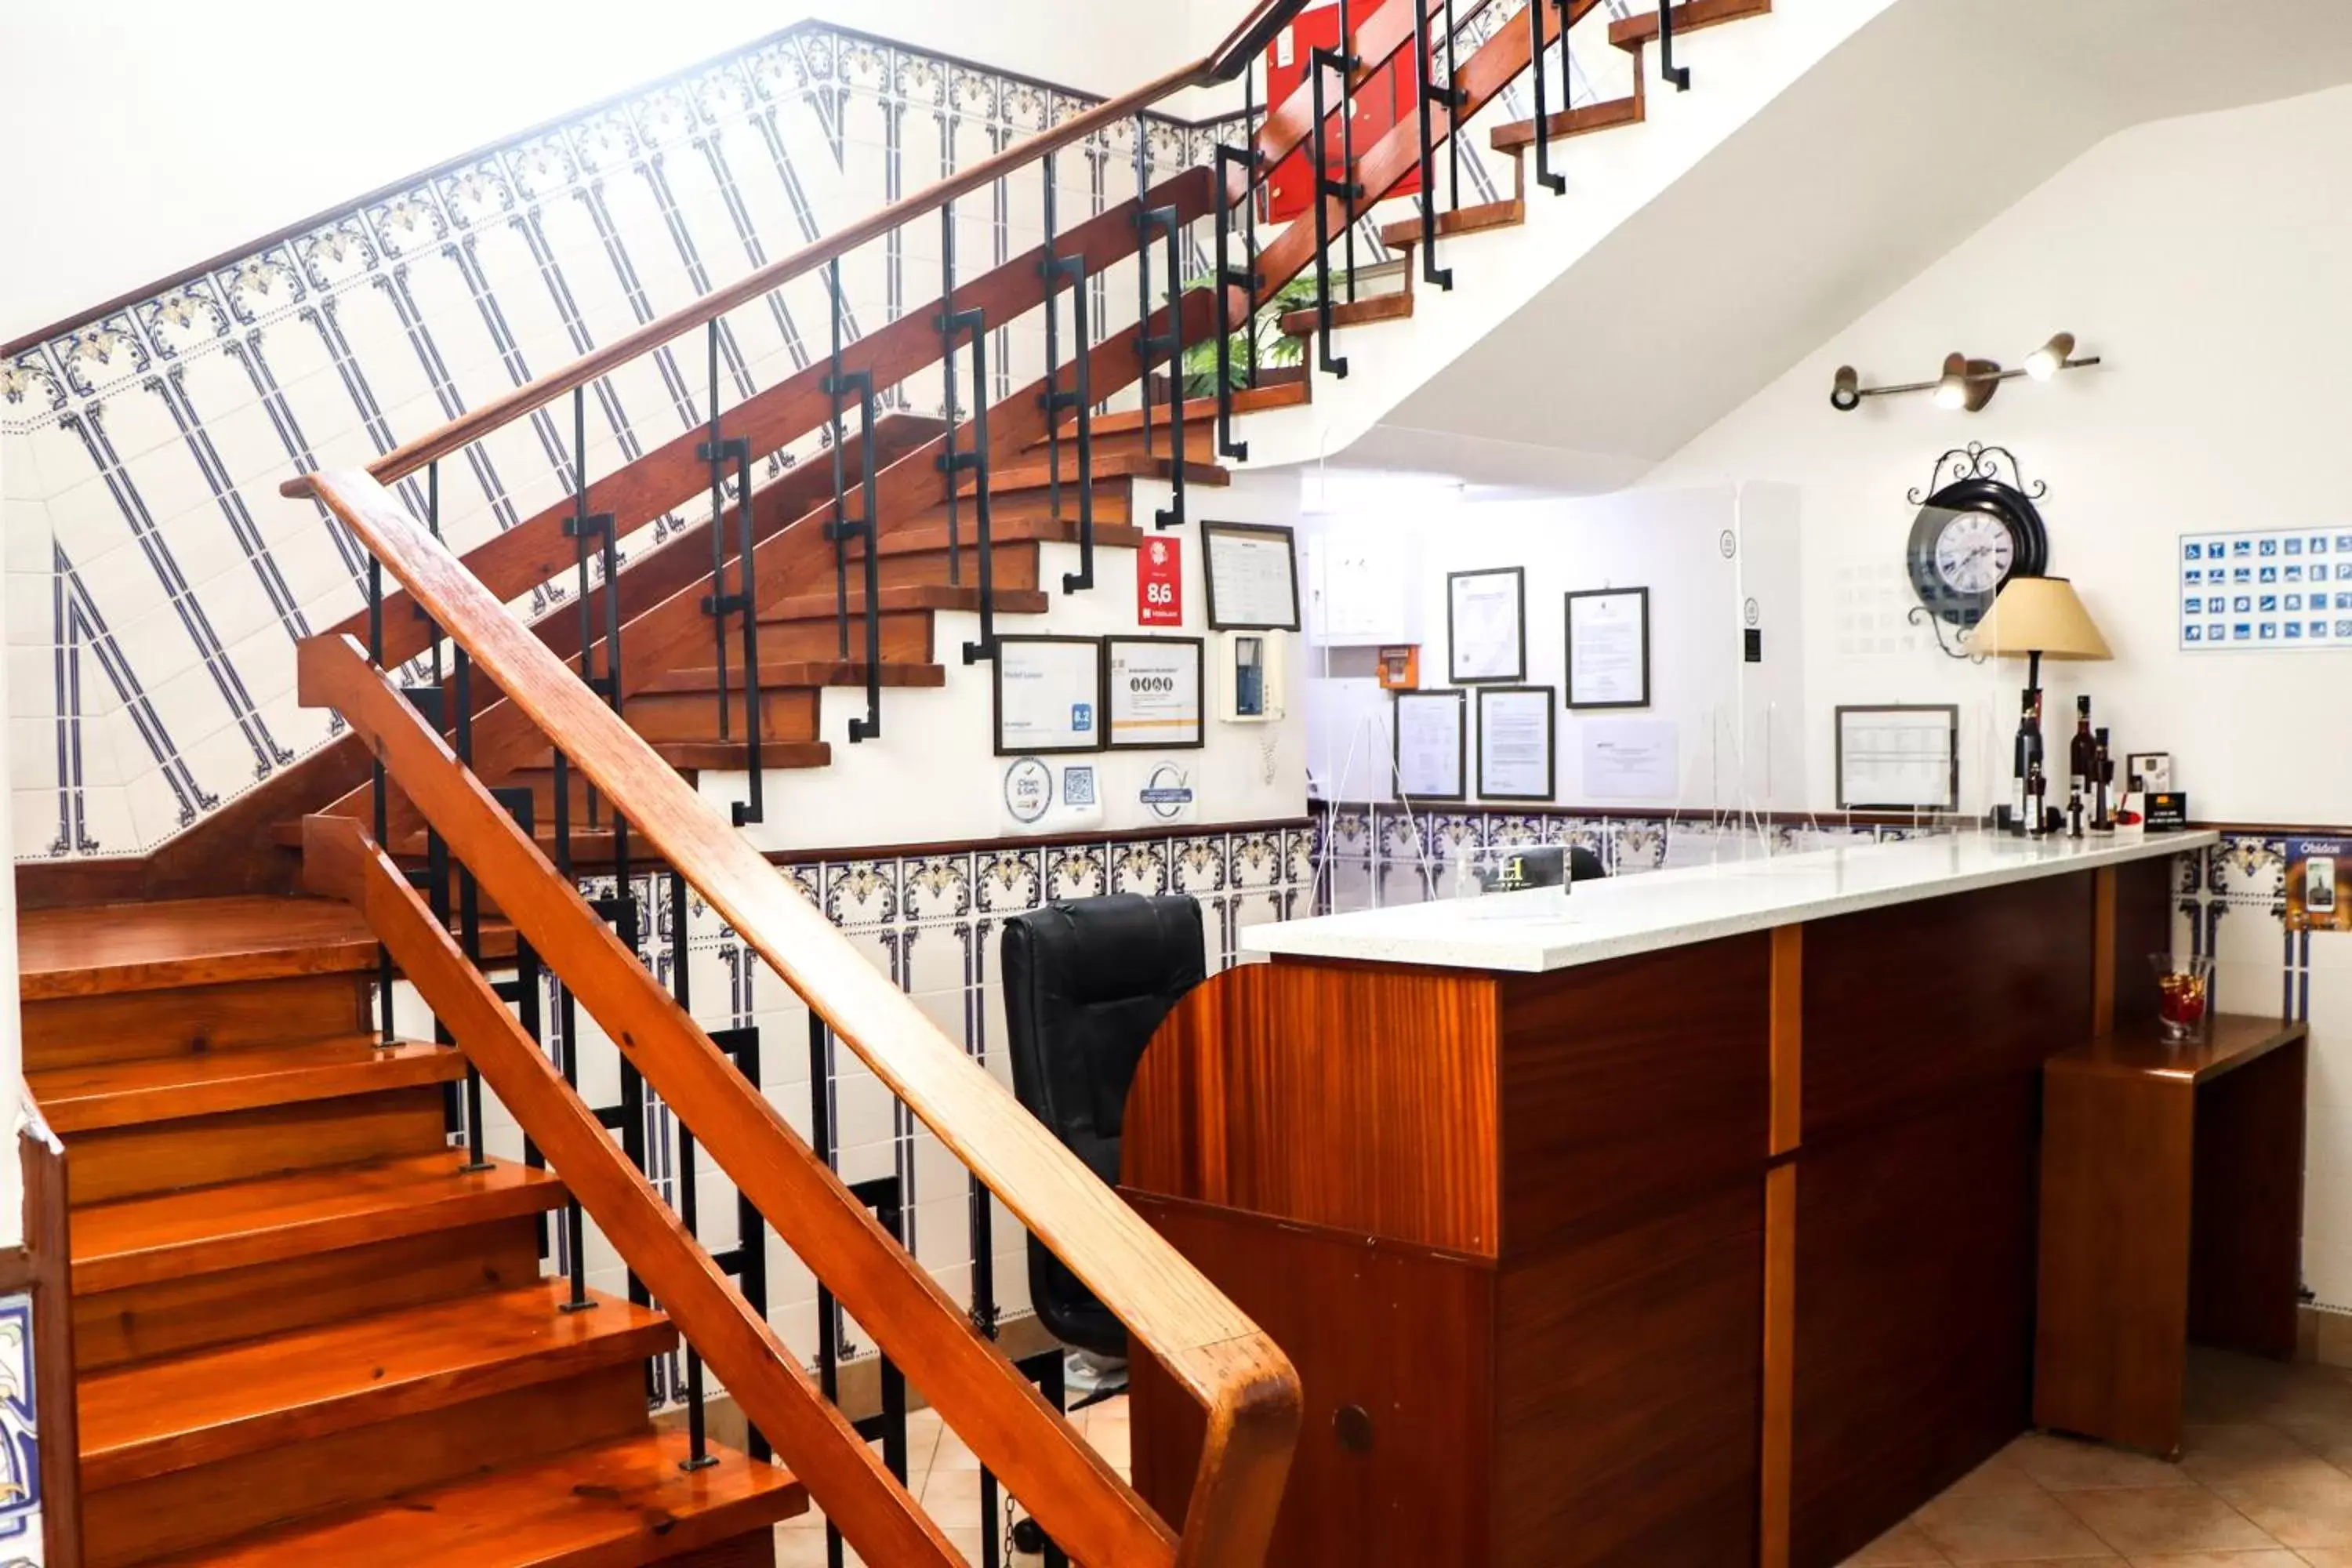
930	535
1405	236
1632	32
1023	476
620	1504
105	949
242	1224
804	675
1583	122
152	1089
1246	400
153	1418
1361	313
913	597
716	756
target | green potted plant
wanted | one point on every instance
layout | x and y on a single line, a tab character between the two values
1276	350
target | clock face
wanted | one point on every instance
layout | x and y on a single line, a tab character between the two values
1974	552
1971	538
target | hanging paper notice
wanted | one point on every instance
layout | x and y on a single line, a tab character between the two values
1632	759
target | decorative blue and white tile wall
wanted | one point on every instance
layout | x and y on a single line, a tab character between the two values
20	1471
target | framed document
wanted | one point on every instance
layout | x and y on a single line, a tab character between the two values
1898	758
1152	695
1487	625
1515	741
1431	745
1609	648
1253	576
1049	694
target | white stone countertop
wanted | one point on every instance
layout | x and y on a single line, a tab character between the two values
1540	930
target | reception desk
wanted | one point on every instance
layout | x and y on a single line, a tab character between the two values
1687	1219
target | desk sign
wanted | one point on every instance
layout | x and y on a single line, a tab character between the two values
2319	884
1154	692
1160	582
2168	810
1048	695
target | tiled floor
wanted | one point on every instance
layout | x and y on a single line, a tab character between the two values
945	1479
2264	1481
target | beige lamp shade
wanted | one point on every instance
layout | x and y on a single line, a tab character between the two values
2039	615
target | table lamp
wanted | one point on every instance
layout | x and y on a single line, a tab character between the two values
2038	617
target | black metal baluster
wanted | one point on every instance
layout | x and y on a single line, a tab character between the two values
835	385
949	324
1430	95
1060	271
828	1314
748	1260
522	991
383	975
1667	70
469	907
953	464
714	450
869	728
1172	344
1247	159
567	1015
746	603
718	449
1251	121
681	984
1143	277
1537	48
1345	190
1348	66
1454	98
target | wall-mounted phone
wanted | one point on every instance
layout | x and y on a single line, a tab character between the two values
1253	676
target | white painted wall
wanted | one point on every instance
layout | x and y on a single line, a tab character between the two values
933	778
1670	542
2203	258
161	141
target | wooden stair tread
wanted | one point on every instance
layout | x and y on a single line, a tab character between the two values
1039	474
1197	410
205	1083
1583	121
932	535
167	1235
1353	313
803	673
713	757
911	596
153	1418
102	948
615	1505
1633	32
1405	235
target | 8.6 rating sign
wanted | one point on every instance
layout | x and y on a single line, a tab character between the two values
1160	582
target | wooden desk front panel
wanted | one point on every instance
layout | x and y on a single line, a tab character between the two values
1356	1097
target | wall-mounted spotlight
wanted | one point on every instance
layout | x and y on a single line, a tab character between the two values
1965	383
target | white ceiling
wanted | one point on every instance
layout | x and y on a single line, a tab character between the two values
1926	125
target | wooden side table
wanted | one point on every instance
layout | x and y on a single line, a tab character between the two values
2171	1211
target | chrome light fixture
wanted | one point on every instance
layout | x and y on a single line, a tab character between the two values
1964	384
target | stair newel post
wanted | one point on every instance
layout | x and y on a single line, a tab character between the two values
1537	48
1667	71
1429	94
948	400
1344	190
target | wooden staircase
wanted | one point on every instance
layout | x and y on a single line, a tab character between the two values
305	1333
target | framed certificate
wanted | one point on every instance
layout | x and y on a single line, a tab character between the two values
1049	695
1152	695
1252	571
1609	648
1487	625
1516	743
1431	745
1898	758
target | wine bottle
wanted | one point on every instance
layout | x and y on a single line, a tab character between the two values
2082	756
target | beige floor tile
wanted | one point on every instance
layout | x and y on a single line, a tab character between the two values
2269	1557
1901	1547
2002	1525
2139	1521
2068	1464
1998	1476
2237	1452
2325	1556
2307	1507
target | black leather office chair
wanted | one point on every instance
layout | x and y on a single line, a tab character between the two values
1583	865
1085	983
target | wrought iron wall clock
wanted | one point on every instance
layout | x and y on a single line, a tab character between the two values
1977	528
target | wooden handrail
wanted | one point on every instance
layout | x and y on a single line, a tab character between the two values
1076	1497
475	424
1205	1344
846	1476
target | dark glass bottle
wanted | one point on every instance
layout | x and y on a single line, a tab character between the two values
2082	756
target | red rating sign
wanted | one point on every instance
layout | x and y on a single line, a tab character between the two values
1160	582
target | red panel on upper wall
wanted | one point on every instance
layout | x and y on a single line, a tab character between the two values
1383	103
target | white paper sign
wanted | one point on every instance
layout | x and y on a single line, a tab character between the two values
1155	692
1253	577
1515	744
1632	759
1048	694
1897	757
1609	649
1429	736
1488	642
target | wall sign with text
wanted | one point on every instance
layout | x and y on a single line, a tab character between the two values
1160	582
2275	590
1153	692
1048	695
